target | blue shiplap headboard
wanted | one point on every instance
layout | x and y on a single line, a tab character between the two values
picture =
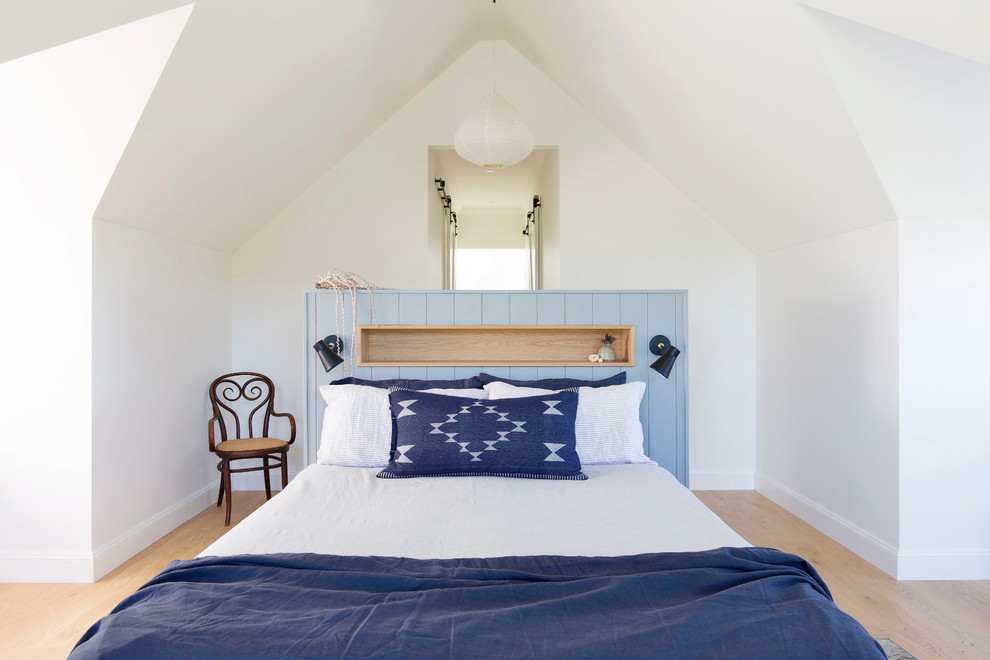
664	408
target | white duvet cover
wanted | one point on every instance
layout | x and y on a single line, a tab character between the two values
619	510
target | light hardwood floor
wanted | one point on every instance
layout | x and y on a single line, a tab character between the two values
44	621
930	619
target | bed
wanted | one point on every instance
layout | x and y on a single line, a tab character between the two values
610	558
343	564
535	511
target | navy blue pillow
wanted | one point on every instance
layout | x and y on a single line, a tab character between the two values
556	383
414	383
449	436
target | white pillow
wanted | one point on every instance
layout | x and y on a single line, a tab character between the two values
607	427
357	424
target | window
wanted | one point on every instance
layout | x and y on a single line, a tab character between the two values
492	269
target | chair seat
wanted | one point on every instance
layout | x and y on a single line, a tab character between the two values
240	445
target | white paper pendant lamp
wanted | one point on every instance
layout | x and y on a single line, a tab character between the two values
493	134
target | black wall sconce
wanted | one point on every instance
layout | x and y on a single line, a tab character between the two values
660	346
328	350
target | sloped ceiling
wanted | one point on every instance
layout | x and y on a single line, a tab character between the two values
923	115
262	96
730	101
32	25
960	27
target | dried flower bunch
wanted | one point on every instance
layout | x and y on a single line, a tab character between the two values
608	340
339	281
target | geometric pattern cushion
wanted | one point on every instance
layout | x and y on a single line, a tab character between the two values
555	383
413	383
437	435
357	424
608	427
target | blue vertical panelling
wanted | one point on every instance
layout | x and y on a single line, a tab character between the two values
324	316
579	310
633	312
387	313
363	318
314	417
664	408
495	310
550	311
326	324
439	311
342	323
387	307
662	392
467	311
522	307
680	372
522	311
605	310
412	311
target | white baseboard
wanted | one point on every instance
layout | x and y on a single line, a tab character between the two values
869	547
89	567
944	564
46	567
116	552
720	481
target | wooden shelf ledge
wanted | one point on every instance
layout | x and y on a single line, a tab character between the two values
491	345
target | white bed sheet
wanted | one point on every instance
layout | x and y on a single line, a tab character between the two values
619	510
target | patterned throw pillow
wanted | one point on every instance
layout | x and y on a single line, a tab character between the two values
413	383
357	424
445	436
554	383
607	427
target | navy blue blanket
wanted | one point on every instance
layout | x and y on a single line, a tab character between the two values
728	603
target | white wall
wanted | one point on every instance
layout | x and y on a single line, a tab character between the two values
435	226
494	230
66	116
161	334
623	226
945	399
827	386
369	213
920	112
548	187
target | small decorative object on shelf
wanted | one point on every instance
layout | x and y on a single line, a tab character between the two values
606	353
594	357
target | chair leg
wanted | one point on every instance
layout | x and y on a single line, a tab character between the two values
220	496
268	479
226	488
285	469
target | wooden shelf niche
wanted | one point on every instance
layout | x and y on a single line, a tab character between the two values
491	345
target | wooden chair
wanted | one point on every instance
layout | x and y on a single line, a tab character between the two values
237	398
